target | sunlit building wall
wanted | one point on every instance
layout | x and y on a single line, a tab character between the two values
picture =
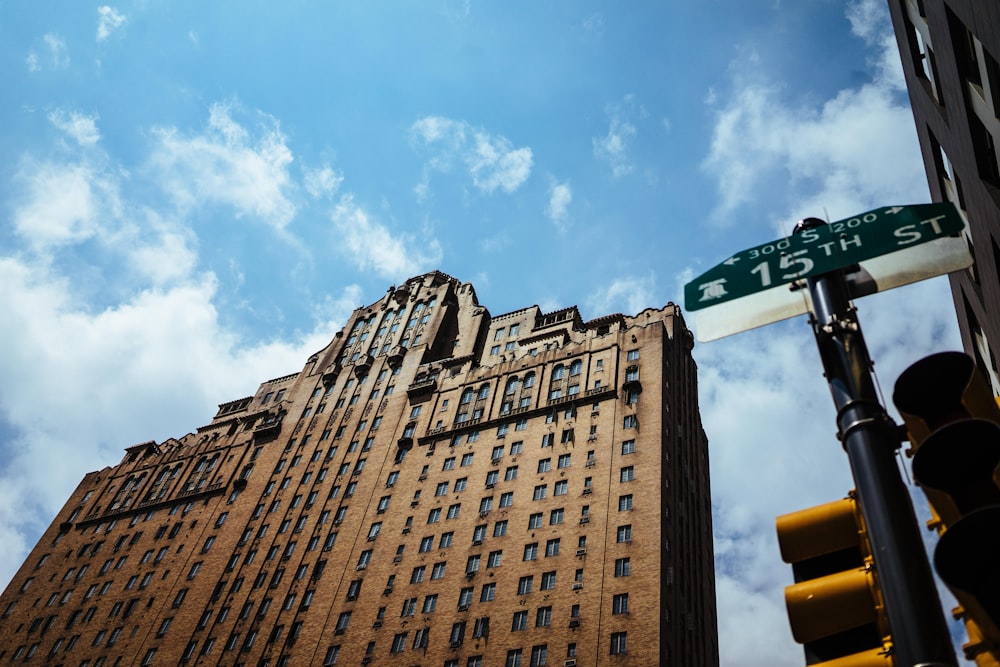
437	486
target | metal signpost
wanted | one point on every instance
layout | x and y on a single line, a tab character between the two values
816	266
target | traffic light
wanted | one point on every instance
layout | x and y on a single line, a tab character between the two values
835	607
953	424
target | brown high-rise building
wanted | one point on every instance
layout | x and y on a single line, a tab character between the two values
950	51
436	487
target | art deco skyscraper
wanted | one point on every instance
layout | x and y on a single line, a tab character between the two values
435	487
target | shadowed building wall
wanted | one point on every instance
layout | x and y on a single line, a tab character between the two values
949	50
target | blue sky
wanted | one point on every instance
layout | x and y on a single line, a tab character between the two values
196	195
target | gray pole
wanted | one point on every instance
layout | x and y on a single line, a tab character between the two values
916	621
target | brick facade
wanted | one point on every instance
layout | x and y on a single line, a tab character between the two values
436	487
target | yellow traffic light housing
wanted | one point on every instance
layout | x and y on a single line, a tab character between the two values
953	424
835	608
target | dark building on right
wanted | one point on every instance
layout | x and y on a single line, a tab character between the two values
949	50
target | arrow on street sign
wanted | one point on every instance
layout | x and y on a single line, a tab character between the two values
887	247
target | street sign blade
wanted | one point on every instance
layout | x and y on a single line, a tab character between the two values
749	312
911	265
821	250
888	247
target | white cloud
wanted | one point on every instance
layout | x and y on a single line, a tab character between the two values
614	146
322	182
491	160
871	22
825	157
54	54
164	259
370	245
495	163
79	127
560	196
61	205
117	369
109	19
627	294
229	165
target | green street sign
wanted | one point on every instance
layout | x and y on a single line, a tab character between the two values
821	250
890	246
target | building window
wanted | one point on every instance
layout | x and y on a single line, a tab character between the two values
513	658
510	474
619	604
488	593
465	597
430	605
630	421
539	492
619	643
398	642
494	559
520	621
409	607
472	564
560	488
625	503
552	547
507	499
627	474
556	516
624	534
548	581
544	465
628	447
437	572
530	551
